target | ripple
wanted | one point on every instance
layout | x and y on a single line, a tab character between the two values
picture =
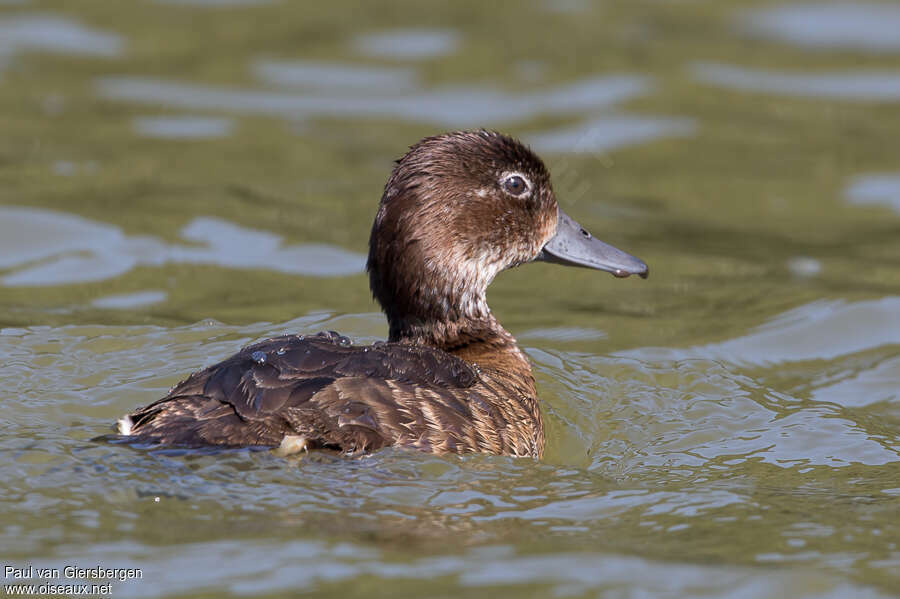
55	248
50	33
797	335
857	25
857	85
875	189
567	6
870	386
215	3
804	266
703	414
130	300
183	127
409	44
610	132
590	507
335	76
691	407
257	566
564	334
673	444
455	106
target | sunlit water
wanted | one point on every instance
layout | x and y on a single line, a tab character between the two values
651	460
183	177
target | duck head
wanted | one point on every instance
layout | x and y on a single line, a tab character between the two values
458	209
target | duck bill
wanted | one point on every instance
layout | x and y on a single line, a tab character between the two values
574	246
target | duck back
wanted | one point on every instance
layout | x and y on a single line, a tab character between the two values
327	393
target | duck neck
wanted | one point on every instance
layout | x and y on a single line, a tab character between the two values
481	341
437	297
449	334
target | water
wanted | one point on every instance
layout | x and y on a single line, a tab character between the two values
183	177
875	189
409	44
865	26
861	85
451	106
55	34
184	127
51	248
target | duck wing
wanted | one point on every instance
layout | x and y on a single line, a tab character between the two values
325	390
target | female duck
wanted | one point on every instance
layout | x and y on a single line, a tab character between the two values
457	209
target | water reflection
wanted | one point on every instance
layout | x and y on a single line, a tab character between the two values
644	425
563	334
611	132
849	327
130	300
215	3
847	85
360	91
453	106
707	413
804	266
596	506
67	168
703	468
183	127
267	567
53	248
875	189
310	74
876	384
858	25
567	6
409	44
50	33
715	411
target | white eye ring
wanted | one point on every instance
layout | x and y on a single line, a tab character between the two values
515	184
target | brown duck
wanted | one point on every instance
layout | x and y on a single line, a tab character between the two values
457	209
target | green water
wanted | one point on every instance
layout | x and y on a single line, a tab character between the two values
729	427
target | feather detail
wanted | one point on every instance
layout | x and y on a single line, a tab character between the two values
298	393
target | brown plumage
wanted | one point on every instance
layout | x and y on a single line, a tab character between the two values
457	209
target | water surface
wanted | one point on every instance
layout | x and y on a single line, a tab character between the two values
183	177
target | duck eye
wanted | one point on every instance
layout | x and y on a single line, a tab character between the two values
515	185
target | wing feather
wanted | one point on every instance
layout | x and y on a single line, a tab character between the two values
334	394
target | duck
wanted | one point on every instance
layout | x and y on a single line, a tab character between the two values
457	209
